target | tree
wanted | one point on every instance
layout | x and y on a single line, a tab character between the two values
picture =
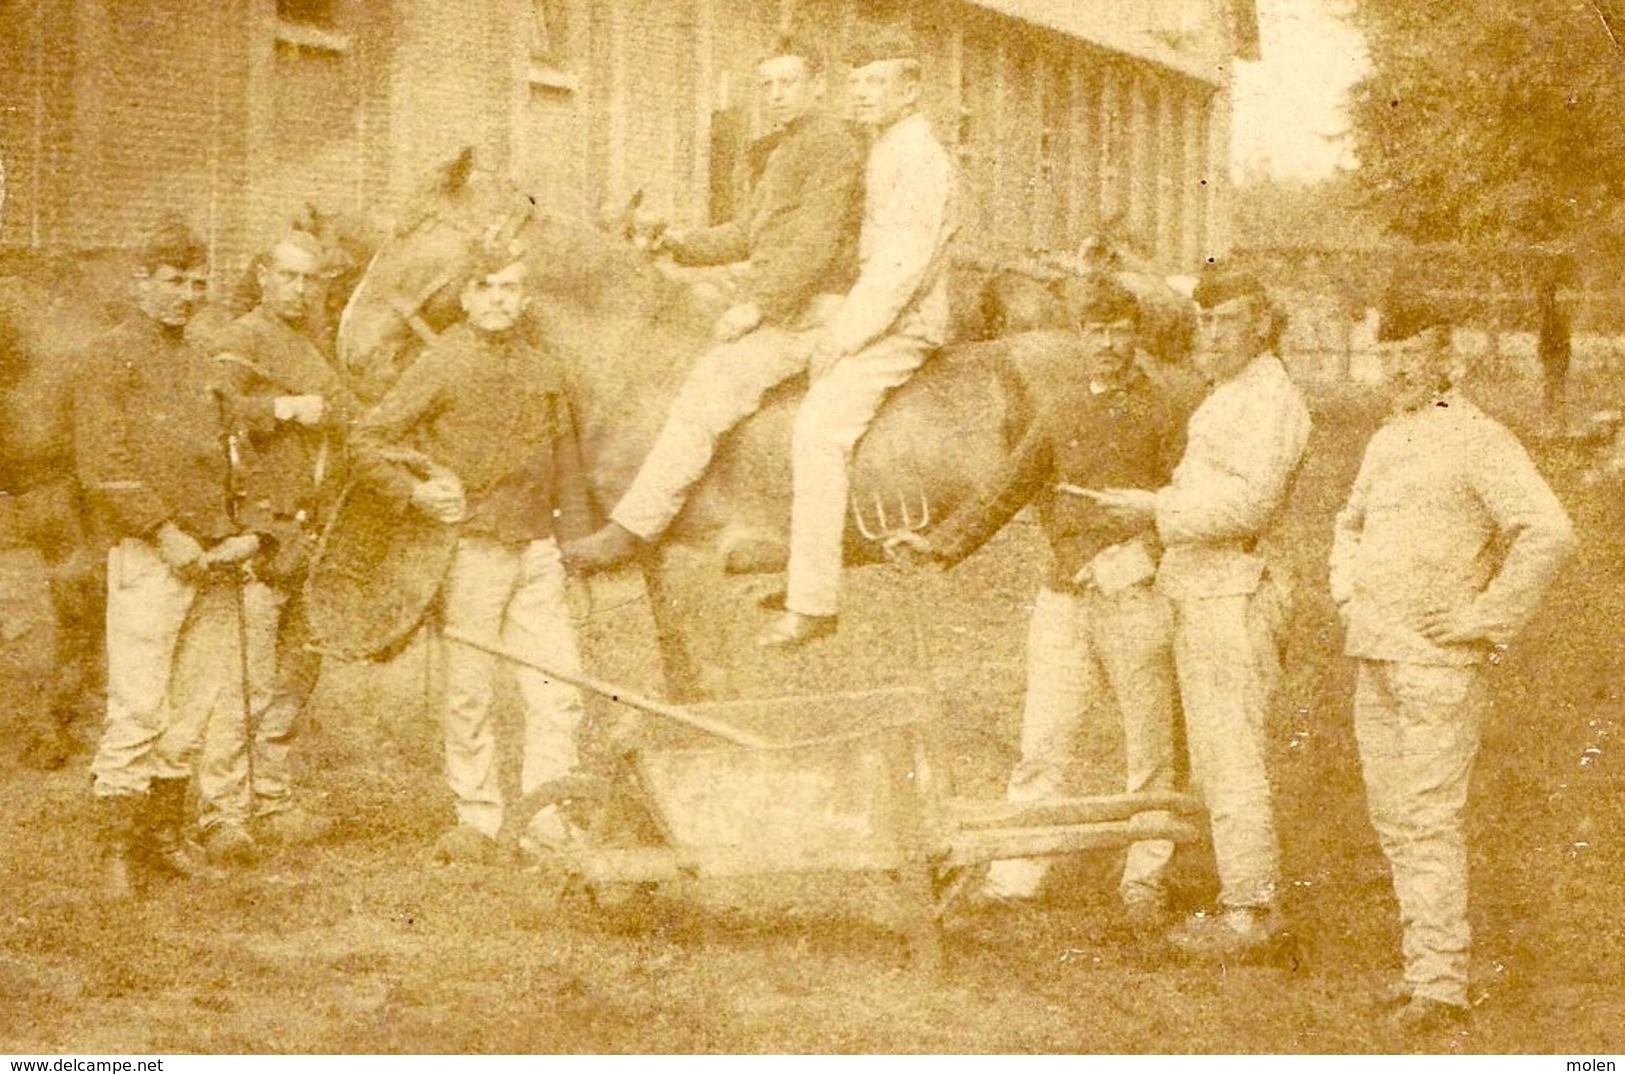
1493	121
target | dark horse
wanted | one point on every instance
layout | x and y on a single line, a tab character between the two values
627	334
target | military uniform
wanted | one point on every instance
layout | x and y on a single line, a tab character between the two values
799	241
1099	630
888	323
492	410
149	452
1448	512
285	478
1244	445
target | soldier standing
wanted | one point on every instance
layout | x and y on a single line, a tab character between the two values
286	408
484	413
149	456
1243	447
1100	631
1449	538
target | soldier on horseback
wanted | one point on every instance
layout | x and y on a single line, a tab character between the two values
800	240
856	349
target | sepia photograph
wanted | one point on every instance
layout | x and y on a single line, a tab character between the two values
812	527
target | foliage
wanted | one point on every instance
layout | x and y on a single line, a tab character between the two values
1489	121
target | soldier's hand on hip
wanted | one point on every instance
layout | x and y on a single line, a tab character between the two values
1444	626
305	409
179	550
737	321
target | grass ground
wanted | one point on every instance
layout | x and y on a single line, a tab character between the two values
359	945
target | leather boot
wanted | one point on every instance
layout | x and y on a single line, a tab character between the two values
164	843
115	834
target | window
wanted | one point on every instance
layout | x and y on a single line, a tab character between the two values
552	52
306	12
310	24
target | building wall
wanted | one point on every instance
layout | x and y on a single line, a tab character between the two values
237	112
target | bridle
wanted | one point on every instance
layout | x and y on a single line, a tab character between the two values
409	309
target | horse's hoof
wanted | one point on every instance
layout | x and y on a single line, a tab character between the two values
793	629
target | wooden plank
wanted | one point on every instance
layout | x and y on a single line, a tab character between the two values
998	844
970	814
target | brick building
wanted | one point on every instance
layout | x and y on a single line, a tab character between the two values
1064	113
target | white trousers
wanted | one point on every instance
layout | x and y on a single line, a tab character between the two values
245	774
1418	730
727	386
1225	651
514	598
154	723
833	417
724	388
1083	650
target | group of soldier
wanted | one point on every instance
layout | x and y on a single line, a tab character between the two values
1157	489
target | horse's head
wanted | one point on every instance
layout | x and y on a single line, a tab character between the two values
409	289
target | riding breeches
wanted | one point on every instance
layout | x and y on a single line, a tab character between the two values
1083	649
515	598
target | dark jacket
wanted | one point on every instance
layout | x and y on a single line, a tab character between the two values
284	468
1128	437
492	410
801	233
147	435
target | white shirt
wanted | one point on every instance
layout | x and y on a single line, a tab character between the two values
1448	512
1243	446
908	218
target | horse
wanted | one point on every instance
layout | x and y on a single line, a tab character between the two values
626	335
53	306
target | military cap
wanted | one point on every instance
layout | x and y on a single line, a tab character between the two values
1219	284
881	44
1100	299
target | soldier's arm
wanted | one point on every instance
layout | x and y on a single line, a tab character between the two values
1242	481
1539	532
382	432
802	247
907	225
250	401
572	508
1019	480
104	459
722	244
1346	531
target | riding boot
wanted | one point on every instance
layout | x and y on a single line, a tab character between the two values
115	833
165	845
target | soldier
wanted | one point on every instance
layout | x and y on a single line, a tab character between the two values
1099	630
1243	447
800	241
287	407
150	459
483	418
1449	538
